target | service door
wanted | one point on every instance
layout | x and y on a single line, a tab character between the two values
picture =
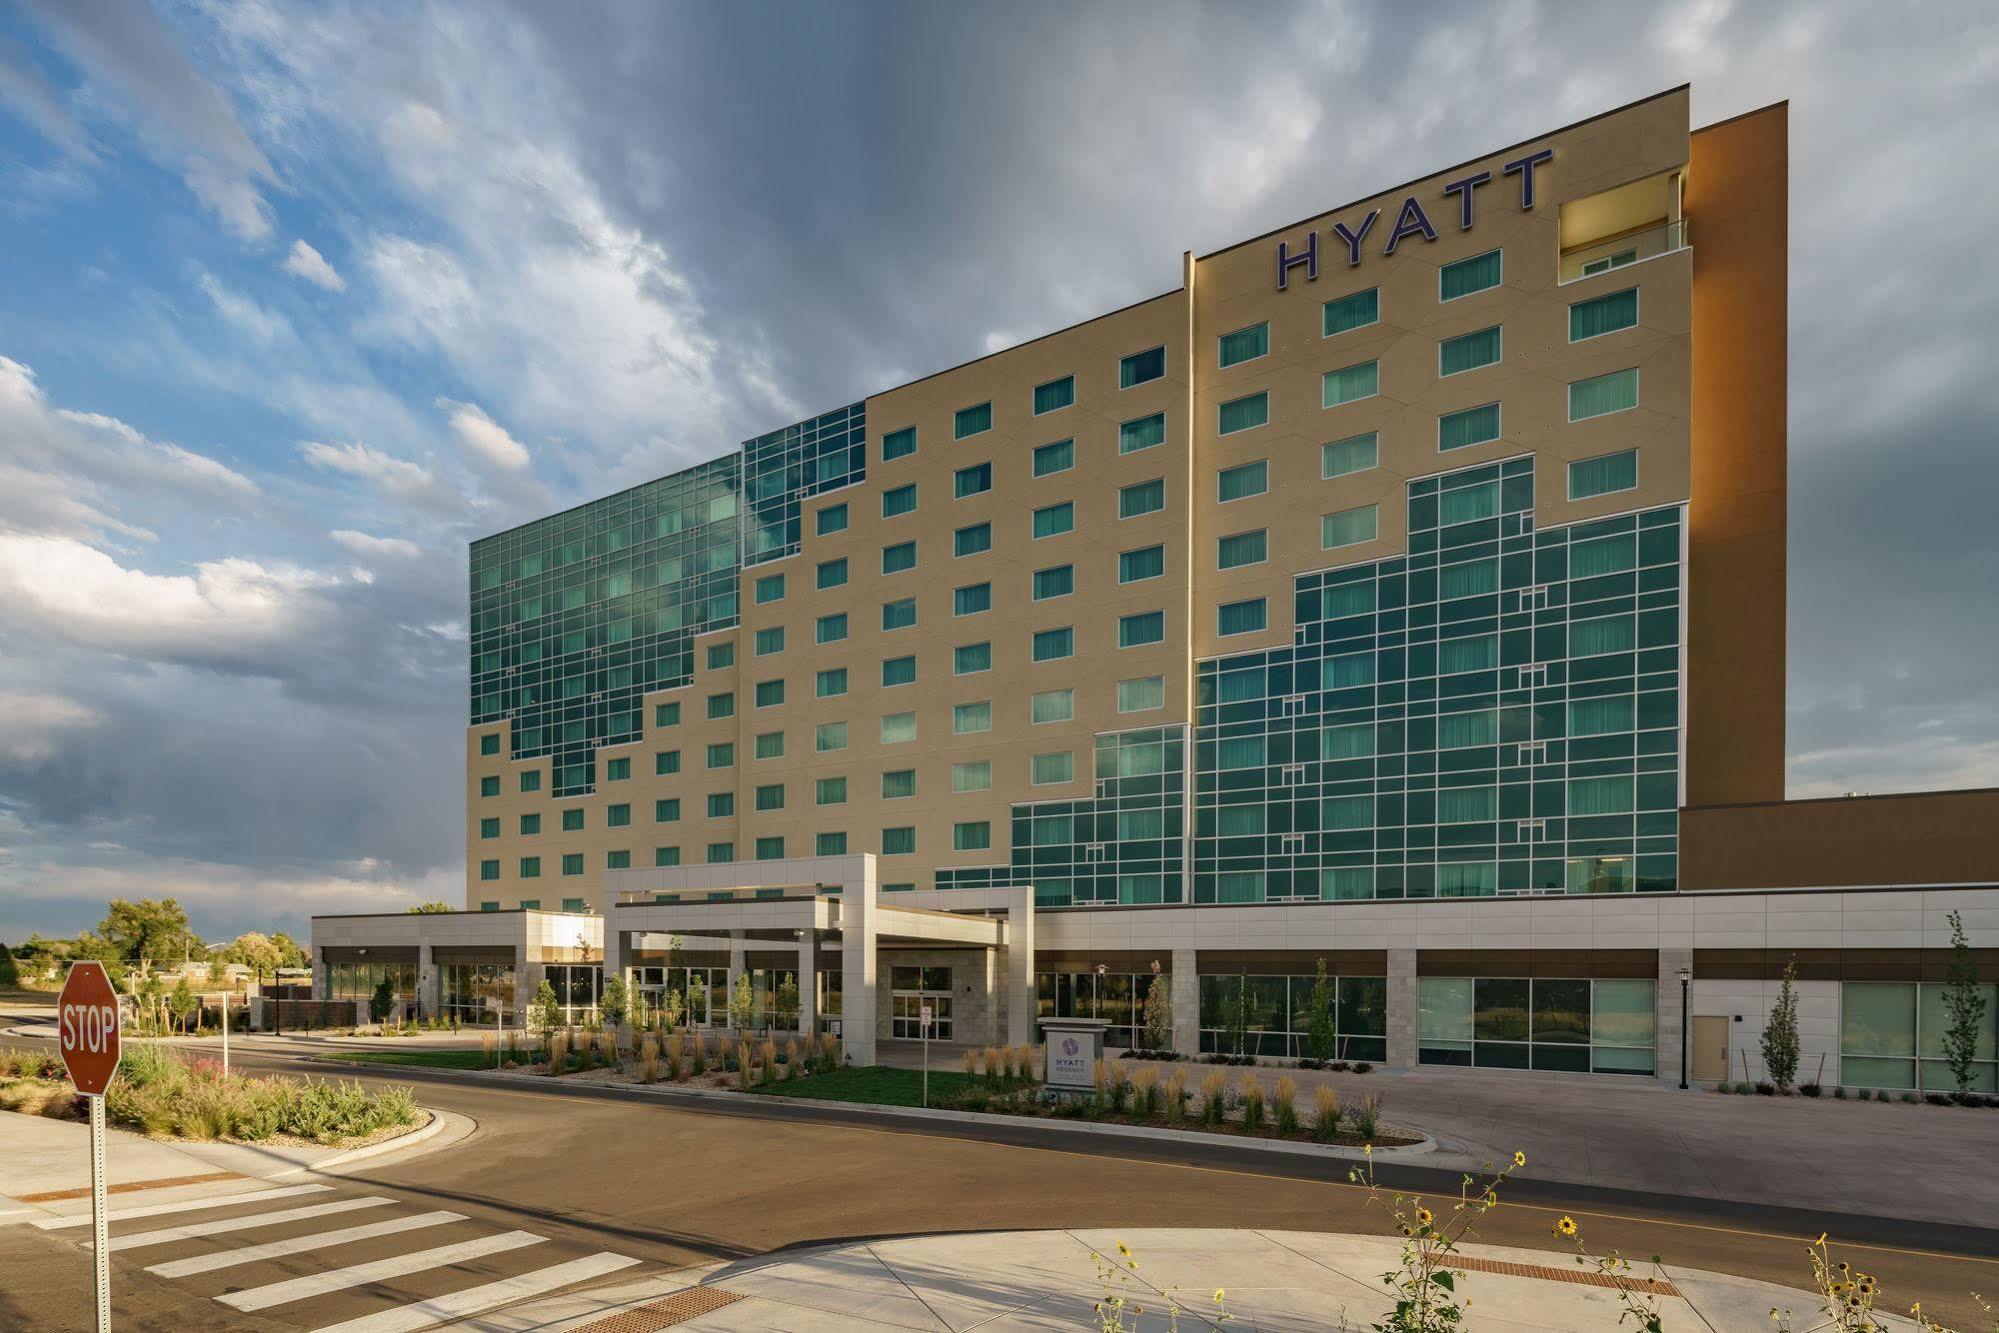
1710	1051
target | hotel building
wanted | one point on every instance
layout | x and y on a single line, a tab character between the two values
1405	590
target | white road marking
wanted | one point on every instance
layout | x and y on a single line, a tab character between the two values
339	1279
191	1230
477	1300
183	1206
206	1263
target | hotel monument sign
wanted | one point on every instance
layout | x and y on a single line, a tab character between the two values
1074	1045
1411	221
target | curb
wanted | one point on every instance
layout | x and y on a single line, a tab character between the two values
1146	1132
440	1123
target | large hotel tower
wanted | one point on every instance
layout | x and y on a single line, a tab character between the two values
1406	589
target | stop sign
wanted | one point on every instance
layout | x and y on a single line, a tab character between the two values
88	1019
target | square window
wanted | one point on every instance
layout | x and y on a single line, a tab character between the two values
898	728
618	770
770	796
1054	644
722	754
1468	351
721	706
1603	475
1058	581
530	825
721	853
721	656
770	588
1053	706
974	480
1243	548
898	841
1047	769
966	659
666	810
666	715
830	844
1141	695
1351	384
1357	453
899	557
899	443
1349	527
721	804
1148	562
898	784
489	870
1054	395
530	869
973	836
1145	627
832	573
831	791
1243	481
1474	425
531	780
898	671
901	500
572	863
973	540
1603	395
770	745
572	820
770	641
666	856
618	816
830	629
1143	433
1243	345
1603	314
1142	367
1242	414
770	849
489	744
832	683
489	786
665	762
489	828
1145	497
1054	520
1244	617
976	775
972	599
899	614
1466	276
1057	457
973	420
831	519
969	719
1351	312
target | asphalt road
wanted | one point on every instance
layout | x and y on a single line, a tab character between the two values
672	1184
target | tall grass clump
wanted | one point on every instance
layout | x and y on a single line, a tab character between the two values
700	1054
743	1065
1326	1114
649	1059
558	1052
1145	1093
676	1057
1285	1099
971	1062
1176	1096
767	1061
1214	1098
1251	1093
792	1069
1367	1117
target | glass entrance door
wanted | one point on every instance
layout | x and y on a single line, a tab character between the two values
912	988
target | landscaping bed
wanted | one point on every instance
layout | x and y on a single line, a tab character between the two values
164	1096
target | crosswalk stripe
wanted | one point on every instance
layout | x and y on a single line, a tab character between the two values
181	1206
339	1279
206	1263
477	1300
191	1230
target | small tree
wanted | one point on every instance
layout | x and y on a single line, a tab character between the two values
382	1001
1780	1033
741	1000
697	1000
1963	1008
615	1002
218	971
787	1001
1158	1011
182	1002
1319	1028
1238	1015
545	1012
672	1008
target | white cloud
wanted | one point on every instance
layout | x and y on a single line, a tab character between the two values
306	262
35	722
398	479
486	438
369	547
264	325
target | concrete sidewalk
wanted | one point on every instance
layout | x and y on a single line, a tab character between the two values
41	1158
1272	1280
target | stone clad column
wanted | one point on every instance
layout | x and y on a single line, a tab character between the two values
319	981
426	981
857	962
808	982
992	998
1020	967
1184	984
1670	1037
1404	1006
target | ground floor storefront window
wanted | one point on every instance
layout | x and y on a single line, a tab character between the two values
465	989
575	986
358	980
913	989
703	991
1891	1035
1118	998
1276	1017
1602	1026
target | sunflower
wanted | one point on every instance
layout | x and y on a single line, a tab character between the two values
1424	1217
1519	1159
1219	1293
1566	1227
1124	1249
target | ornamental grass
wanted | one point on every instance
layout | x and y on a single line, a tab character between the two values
1326	1113
1176	1097
1251	1094
1285	1102
558	1052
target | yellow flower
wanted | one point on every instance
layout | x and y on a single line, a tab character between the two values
1424	1217
1519	1159
1491	1199
1566	1227
1124	1249
1820	1240
1219	1293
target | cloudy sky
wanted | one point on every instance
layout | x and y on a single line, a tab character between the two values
295	300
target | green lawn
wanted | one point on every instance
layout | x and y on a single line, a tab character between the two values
429	1059
871	1083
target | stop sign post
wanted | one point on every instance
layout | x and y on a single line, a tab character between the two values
90	1036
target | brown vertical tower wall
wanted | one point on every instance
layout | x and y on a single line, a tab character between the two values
1738	196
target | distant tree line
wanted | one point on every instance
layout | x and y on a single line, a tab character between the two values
143	937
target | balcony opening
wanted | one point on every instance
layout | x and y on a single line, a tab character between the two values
1634	222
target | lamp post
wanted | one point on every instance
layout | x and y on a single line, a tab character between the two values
1686	976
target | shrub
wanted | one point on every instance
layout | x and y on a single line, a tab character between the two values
1910	1098
1367	1117
1936	1099
1339	1066
1214	1098
1326	1117
1766	1089
1839	1093
558	1052
1285	1099
1362	1067
1251	1093
1810	1089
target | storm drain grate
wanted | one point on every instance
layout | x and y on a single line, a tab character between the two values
664	1312
1651	1286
